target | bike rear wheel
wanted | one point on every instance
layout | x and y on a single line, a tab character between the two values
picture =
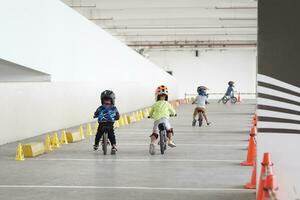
162	142
233	100
104	143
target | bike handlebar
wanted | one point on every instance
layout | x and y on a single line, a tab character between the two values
169	115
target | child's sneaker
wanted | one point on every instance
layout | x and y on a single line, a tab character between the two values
208	123
152	149
113	150
96	147
171	144
194	122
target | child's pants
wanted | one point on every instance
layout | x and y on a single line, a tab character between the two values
109	128
198	110
162	120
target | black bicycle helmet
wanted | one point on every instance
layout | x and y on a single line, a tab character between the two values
230	83
201	89
108	95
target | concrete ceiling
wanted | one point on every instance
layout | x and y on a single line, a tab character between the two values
175	23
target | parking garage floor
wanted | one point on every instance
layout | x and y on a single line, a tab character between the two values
204	165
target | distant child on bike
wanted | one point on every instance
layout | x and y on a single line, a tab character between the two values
160	112
107	114
229	91
201	101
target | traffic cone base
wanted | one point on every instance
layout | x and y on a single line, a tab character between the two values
246	163
252	183
249	186
251	154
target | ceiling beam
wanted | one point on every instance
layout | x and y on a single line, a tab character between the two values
177	27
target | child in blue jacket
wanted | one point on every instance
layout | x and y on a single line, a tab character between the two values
107	114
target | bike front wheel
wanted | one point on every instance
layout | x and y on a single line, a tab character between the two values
224	100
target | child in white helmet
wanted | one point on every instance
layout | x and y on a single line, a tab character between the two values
200	109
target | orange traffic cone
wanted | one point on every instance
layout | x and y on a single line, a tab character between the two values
239	97
266	169
252	183
253	130
251	154
270	187
254	120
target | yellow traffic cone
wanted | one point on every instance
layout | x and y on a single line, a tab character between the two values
88	130
96	127
20	153
55	141
47	144
81	132
138	116
121	121
63	139
116	124
141	115
146	113
125	120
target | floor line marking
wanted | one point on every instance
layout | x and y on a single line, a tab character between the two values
121	187
132	160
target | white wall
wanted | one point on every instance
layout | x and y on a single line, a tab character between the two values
82	59
50	37
212	68
30	109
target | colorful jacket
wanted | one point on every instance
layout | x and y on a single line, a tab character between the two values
107	114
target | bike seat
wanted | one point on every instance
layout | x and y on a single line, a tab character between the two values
162	126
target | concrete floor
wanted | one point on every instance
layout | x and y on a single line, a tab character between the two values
204	165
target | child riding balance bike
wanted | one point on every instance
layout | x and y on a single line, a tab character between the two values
107	114
201	101
229	95
160	111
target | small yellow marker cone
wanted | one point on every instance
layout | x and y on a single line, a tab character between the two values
89	130
47	144
55	141
121	121
137	116
125	120
145	113
81	132
116	124
141	115
20	153
63	139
